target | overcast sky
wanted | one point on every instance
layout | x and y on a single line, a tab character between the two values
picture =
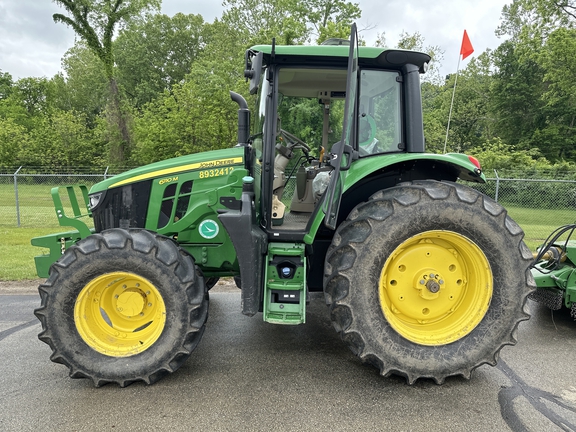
31	44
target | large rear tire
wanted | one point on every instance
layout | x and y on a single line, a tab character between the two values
123	306
428	280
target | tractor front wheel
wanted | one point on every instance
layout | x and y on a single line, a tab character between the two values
123	306
427	280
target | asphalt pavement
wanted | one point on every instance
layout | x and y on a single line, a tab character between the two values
247	375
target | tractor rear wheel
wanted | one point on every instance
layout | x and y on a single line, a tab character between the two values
428	280
123	306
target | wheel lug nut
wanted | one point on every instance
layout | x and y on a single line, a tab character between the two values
433	286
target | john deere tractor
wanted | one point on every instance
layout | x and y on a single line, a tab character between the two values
328	189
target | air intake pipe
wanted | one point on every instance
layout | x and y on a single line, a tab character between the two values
243	119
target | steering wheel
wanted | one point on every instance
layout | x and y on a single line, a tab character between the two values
367	135
293	141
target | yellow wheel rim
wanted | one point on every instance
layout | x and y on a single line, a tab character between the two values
435	288
120	314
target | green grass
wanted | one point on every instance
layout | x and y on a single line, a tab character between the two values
37	218
539	223
17	254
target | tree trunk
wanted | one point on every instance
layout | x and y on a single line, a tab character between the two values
119	139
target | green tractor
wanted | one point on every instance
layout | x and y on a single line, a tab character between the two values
328	189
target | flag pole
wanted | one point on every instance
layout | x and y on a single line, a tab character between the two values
465	50
452	103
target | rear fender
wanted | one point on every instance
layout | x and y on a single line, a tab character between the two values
370	174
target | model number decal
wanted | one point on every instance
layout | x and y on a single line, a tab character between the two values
167	180
216	172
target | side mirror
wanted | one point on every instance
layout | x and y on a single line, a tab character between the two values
253	69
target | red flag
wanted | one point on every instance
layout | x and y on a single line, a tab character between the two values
466	48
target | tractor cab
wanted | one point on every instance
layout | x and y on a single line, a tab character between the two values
319	110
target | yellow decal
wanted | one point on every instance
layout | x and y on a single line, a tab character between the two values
218	163
174	170
216	172
167	180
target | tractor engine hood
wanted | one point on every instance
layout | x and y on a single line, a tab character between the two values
171	167
157	195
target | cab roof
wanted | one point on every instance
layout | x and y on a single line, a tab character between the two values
333	55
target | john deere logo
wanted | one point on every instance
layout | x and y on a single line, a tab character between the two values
208	229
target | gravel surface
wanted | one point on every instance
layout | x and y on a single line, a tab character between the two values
20	287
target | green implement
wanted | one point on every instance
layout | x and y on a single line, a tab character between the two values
554	271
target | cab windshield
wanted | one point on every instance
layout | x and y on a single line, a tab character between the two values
311	107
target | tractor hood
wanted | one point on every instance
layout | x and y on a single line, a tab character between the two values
167	169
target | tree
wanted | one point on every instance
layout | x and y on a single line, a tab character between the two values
495	155
415	42
155	53
84	86
533	89
331	18
290	21
12	137
516	93
524	18
472	121
96	21
29	99
61	139
197	115
558	60
258	21
5	85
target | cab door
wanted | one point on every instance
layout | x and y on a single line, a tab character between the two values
343	151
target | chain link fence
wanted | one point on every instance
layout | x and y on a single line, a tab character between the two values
538	201
25	198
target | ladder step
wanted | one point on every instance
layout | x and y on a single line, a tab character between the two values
285	286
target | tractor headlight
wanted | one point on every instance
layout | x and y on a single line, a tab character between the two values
95	200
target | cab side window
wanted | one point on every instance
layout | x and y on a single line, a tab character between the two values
379	122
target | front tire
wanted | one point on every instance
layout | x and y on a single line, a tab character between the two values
428	280
123	306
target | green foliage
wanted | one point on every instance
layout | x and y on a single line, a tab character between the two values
290	21
507	161
96	21
5	85
331	18
258	21
516	94
156	52
197	115
12	137
496	155
160	89
60	139
415	42
84	87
